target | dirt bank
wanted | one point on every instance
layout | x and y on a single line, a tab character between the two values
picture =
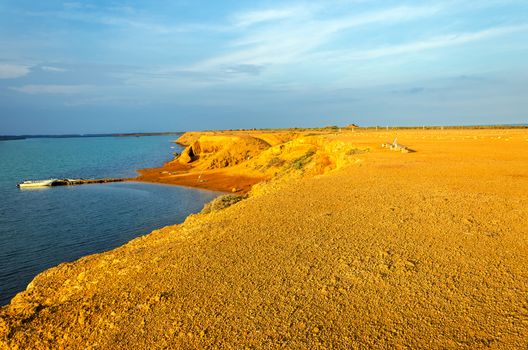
235	161
378	249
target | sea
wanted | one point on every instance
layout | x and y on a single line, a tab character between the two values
41	228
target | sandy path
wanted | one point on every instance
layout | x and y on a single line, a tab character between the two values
421	250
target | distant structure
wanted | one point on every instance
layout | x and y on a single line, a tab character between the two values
351	126
395	146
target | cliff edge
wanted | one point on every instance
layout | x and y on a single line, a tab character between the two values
234	161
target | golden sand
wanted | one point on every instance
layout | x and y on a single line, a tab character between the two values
343	249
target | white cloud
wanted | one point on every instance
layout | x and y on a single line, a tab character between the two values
10	71
391	15
249	18
53	69
290	41
427	44
53	89
119	17
277	42
76	5
106	101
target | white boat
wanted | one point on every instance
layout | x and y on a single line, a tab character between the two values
36	183
65	182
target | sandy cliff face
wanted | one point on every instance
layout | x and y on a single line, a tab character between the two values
234	161
218	151
281	153
384	250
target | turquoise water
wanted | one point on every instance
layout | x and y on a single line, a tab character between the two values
40	228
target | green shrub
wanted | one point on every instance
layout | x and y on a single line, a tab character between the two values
300	162
275	161
221	202
354	151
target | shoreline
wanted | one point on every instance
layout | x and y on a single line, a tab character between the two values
211	181
332	255
192	174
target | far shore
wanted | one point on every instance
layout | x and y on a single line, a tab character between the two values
67	136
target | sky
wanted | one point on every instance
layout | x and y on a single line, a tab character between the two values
144	66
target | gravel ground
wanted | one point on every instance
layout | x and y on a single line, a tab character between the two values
418	250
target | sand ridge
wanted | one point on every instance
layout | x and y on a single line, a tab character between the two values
233	161
418	250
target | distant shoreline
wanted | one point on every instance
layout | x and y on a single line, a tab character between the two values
428	127
68	136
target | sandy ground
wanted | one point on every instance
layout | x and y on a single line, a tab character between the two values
421	250
218	180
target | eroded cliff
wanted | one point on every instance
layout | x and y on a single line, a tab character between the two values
234	161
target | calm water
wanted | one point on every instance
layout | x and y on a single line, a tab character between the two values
40	228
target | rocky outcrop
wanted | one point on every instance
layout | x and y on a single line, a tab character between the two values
187	156
266	153
234	161
218	151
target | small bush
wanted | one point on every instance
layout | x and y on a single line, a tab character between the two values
300	162
221	202
275	161
354	151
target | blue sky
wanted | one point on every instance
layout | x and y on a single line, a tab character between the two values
126	66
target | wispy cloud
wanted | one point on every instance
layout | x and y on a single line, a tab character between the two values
283	43
53	69
385	16
119	17
249	18
293	57
425	44
10	71
264	38
77	5
53	89
106	101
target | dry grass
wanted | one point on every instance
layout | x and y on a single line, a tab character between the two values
221	202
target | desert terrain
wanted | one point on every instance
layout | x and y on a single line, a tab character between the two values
333	242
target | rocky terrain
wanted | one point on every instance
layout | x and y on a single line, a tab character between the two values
234	161
341	244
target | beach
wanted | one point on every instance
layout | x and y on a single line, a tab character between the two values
338	243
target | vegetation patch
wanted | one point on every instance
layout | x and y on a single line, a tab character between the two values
275	162
300	162
354	151
221	202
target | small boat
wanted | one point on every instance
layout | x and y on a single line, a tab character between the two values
65	182
36	183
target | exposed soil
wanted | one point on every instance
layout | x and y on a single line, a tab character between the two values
423	250
177	174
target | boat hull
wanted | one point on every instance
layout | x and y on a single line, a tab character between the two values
34	184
